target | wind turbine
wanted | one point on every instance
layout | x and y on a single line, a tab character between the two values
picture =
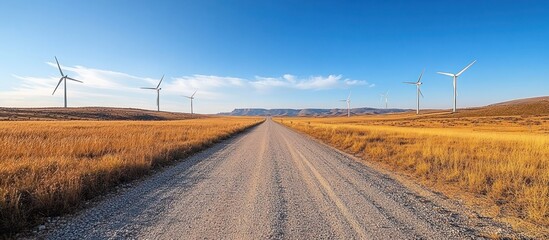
191	98
455	76
157	88
63	78
418	84
348	101
386	96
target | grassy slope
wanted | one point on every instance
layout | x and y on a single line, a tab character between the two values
523	107
48	167
503	159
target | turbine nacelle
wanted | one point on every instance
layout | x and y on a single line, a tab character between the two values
157	88
460	72
192	96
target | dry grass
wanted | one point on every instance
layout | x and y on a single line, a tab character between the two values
47	168
502	159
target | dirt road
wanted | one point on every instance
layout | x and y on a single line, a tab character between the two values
269	182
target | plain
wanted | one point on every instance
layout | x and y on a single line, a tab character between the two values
504	159
48	168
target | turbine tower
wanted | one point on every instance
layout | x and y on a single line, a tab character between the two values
157	88
191	98
455	76
418	84
348	101
63	78
386	96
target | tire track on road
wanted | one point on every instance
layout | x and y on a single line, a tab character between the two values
269	183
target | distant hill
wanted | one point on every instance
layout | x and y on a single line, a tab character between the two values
526	107
537	106
90	113
308	112
533	100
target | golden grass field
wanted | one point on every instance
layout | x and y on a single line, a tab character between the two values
48	168
504	160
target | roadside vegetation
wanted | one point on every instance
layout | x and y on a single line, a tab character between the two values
49	168
504	160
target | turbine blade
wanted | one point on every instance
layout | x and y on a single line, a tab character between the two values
58	66
470	64
59	83
148	88
194	93
421	75
160	81
349	97
410	82
447	74
75	80
420	92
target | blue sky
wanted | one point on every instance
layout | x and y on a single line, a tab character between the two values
272	54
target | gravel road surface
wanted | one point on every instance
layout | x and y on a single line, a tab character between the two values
268	183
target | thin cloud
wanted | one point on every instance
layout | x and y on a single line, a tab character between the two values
350	82
208	86
264	83
310	83
289	78
207	82
319	82
112	88
33	86
216	87
98	78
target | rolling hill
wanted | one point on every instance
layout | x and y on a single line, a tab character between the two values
525	107
89	113
312	112
537	106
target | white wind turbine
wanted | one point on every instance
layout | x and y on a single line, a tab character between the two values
348	101
455	76
191	98
418	84
157	88
63	78
386	96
